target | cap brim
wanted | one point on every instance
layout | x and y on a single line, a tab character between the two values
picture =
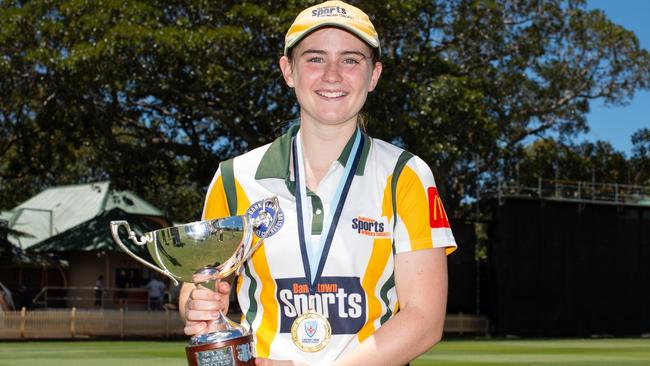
364	37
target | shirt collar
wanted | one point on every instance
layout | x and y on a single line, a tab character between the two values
276	159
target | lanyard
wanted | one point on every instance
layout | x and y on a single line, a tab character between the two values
314	257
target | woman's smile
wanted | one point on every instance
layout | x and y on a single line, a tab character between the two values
331	94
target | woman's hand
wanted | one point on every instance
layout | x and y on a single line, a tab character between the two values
200	306
268	362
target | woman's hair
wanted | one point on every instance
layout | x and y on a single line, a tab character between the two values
361	121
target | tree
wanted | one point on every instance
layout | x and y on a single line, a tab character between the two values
640	160
152	95
589	161
483	77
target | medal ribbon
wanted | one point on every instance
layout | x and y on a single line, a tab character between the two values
314	257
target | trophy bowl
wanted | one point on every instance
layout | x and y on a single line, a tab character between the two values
210	250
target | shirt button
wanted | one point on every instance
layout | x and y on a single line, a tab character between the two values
318	211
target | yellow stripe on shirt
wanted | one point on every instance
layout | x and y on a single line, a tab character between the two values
269	325
267	329
413	209
381	252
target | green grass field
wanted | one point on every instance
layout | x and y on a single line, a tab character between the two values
598	352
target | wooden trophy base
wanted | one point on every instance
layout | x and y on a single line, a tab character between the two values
233	352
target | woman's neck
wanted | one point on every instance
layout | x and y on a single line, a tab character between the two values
321	146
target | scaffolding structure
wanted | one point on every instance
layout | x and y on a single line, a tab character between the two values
579	191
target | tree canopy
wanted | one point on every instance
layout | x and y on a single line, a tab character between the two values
154	94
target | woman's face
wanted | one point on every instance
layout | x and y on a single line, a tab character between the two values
332	72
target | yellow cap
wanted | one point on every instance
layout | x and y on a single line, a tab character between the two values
332	14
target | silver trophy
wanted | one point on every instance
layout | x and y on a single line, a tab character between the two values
208	250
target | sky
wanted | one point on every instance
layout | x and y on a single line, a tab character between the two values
616	124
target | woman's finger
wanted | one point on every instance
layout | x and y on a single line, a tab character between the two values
205	305
193	328
202	315
223	288
207	295
268	362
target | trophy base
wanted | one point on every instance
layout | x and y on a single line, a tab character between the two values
232	352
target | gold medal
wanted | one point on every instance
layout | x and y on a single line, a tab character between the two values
311	332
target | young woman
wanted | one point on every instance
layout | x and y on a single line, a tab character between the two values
354	271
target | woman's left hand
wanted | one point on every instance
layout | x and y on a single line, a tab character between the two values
269	362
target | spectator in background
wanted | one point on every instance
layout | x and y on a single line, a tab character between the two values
156	292
121	282
99	291
174	294
25	294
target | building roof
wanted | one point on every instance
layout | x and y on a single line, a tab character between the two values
5	215
21	258
95	234
58	209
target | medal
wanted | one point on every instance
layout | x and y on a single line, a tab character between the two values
311	331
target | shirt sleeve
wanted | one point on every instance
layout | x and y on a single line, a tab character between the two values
216	204
421	220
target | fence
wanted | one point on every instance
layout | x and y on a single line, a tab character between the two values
76	323
580	191
466	324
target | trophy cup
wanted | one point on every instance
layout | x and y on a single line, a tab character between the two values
210	249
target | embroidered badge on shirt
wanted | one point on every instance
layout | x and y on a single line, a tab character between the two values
371	227
437	214
258	208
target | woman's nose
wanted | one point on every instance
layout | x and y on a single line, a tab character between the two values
332	73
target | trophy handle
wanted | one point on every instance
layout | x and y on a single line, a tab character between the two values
144	239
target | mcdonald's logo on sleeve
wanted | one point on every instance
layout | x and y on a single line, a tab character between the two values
437	214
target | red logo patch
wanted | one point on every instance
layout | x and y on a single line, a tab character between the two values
437	214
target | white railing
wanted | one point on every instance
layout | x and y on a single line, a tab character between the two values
466	324
78	323
578	190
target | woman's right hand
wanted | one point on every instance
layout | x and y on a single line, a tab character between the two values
200	306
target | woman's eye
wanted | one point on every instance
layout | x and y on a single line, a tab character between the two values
315	59
350	61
